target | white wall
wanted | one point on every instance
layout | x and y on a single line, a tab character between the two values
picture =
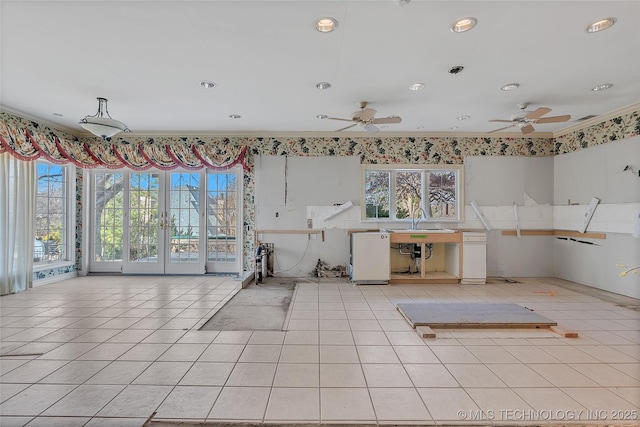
291	190
284	187
498	182
503	180
599	172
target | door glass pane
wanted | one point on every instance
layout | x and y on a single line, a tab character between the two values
109	220
408	194
184	218
143	217
221	216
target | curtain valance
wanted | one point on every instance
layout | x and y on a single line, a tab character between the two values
28	140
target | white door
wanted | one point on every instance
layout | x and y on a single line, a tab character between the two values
183	223
143	235
156	222
126	234
107	220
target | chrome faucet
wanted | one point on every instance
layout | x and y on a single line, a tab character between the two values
415	221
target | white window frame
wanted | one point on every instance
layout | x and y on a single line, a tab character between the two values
69	220
393	168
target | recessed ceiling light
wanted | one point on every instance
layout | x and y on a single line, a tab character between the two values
510	86
321	116
600	25
234	116
464	25
602	87
326	25
416	86
465	117
207	84
323	85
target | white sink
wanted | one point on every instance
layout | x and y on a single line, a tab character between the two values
405	231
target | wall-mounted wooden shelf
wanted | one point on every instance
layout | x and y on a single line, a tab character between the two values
564	233
308	231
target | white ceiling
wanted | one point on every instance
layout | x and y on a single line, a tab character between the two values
148	57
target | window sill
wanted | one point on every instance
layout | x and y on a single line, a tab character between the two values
51	266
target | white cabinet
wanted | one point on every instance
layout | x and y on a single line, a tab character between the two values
370	258
474	258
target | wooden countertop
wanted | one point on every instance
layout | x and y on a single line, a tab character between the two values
423	236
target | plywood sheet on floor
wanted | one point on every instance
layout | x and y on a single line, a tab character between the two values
472	315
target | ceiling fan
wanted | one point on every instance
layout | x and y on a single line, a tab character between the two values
365	118
526	119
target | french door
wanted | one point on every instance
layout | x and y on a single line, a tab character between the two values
175	222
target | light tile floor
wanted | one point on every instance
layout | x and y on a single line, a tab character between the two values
116	350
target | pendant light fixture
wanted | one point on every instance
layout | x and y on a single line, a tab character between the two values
101	124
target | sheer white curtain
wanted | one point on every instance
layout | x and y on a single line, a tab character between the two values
17	210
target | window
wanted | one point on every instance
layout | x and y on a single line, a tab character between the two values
398	192
51	222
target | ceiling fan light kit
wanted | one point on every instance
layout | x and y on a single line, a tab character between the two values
101	124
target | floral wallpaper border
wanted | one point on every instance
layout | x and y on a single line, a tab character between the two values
618	128
29	140
52	272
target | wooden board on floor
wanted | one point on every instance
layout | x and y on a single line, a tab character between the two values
563	332
472	315
425	332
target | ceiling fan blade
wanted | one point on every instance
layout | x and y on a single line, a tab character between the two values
386	120
554	119
336	118
371	128
527	129
537	113
498	130
348	127
501	121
